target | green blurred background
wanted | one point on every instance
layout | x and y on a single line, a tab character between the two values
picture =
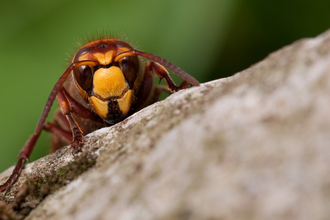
209	39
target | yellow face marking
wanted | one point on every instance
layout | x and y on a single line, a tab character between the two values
125	102
84	57
123	49
104	59
100	107
109	82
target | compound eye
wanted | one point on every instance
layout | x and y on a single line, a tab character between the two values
130	67
84	77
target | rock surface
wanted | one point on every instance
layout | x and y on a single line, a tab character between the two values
252	146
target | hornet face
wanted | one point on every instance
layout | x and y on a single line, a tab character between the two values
109	87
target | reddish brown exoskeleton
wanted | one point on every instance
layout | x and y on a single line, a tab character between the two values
106	82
